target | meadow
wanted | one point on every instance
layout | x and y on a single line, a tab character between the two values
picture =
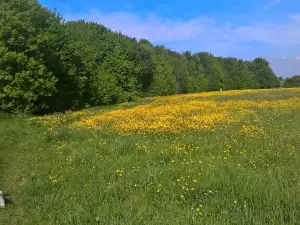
228	157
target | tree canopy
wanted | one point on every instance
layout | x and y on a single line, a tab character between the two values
292	82
49	65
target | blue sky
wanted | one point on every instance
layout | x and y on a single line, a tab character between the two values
243	29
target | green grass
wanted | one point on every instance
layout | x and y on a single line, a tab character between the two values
236	179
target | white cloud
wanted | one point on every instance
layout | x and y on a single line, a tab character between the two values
152	27
158	29
277	39
287	32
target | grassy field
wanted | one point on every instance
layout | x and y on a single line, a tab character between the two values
212	158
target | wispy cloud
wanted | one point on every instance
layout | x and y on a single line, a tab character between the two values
158	29
260	38
151	27
271	4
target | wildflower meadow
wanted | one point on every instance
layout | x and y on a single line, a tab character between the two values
228	157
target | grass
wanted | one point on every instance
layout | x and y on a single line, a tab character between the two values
242	169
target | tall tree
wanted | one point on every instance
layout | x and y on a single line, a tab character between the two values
194	74
164	82
176	61
38	70
216	76
106	52
144	64
207	60
263	73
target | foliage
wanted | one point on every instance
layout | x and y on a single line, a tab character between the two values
24	83
38	70
163	83
47	65
195	80
216	76
105	89
238	74
263	73
291	82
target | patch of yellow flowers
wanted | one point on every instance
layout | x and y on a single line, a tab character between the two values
183	113
179	113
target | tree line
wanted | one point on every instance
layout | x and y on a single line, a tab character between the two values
291	82
49	65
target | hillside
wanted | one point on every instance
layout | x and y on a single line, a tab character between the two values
205	158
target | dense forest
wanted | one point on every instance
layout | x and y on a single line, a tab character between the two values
49	65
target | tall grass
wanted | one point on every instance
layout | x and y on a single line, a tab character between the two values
244	173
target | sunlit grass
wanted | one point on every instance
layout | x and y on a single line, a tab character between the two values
208	158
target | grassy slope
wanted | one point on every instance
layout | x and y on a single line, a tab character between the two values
236	179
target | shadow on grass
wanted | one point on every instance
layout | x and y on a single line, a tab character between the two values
7	200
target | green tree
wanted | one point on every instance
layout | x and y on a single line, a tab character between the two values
263	73
38	70
144	64
194	74
109	52
177	62
122	68
164	82
25	84
291	82
216	77
197	84
105	89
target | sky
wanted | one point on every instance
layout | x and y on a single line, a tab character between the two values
235	28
